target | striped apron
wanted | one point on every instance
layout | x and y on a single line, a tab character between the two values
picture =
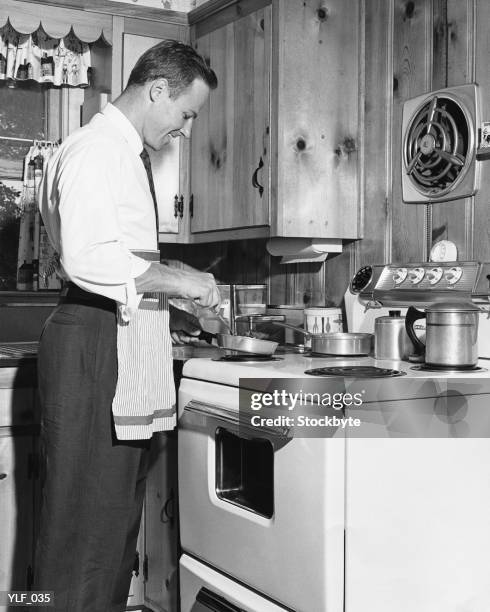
144	401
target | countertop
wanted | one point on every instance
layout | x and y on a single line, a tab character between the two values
18	361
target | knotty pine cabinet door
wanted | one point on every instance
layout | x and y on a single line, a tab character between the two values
230	148
315	119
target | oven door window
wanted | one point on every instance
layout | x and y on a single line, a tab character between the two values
207	601
245	472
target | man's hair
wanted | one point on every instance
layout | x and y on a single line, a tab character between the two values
174	61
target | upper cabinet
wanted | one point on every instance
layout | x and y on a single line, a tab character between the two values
315	113
132	37
276	150
230	150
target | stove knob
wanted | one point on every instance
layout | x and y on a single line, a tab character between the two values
434	275
399	275
453	275
416	275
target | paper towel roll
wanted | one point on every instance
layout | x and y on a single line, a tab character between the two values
297	250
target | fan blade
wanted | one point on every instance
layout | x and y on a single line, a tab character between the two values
431	113
449	157
411	165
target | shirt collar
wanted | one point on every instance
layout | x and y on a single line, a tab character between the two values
124	126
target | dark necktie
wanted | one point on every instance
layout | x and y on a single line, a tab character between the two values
147	164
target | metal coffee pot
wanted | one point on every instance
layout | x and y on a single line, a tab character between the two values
391	340
451	334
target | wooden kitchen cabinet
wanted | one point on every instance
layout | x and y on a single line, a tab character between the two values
315	112
230	148
161	525
276	150
18	483
132	37
16	510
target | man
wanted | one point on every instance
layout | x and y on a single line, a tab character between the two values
105	367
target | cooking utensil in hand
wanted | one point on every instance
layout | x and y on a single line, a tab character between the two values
209	319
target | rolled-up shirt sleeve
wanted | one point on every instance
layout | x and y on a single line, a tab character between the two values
93	252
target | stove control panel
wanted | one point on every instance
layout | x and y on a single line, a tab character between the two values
428	277
424	283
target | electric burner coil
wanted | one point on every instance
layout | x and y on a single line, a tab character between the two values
355	372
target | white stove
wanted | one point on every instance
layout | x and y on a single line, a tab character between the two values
295	365
394	520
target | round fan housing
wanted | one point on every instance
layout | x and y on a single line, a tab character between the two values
439	160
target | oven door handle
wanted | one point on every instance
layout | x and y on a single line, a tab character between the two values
234	418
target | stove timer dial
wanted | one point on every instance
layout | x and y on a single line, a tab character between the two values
416	275
453	275
399	275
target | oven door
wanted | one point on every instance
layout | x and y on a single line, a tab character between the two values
202	589
258	506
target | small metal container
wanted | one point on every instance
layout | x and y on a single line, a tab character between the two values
391	340
452	335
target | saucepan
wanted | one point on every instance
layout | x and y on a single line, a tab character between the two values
338	343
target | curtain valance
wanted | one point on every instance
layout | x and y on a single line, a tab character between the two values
43	58
56	21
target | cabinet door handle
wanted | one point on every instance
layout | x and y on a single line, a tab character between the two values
167	512
3	476
176	206
181	206
255	182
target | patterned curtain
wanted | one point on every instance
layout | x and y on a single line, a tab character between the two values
39	57
37	260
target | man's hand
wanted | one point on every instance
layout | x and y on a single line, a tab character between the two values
184	327
198	286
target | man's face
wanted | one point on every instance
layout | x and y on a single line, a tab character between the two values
172	117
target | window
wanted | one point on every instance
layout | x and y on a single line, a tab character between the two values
22	120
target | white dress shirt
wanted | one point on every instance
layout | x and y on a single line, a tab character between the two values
97	207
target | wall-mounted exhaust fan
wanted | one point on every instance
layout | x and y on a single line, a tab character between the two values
439	132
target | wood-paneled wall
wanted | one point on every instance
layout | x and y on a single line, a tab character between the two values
408	47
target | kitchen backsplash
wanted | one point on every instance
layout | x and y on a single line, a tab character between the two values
247	262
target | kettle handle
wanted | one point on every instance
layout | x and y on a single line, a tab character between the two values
414	315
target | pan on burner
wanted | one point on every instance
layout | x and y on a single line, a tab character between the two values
355	372
247	358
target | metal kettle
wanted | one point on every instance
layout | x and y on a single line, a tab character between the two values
391	341
451	334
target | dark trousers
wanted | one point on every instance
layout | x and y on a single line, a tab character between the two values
93	485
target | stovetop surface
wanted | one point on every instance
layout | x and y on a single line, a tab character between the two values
294	366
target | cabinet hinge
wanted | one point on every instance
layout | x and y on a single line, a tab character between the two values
145	568
191	205
136	564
